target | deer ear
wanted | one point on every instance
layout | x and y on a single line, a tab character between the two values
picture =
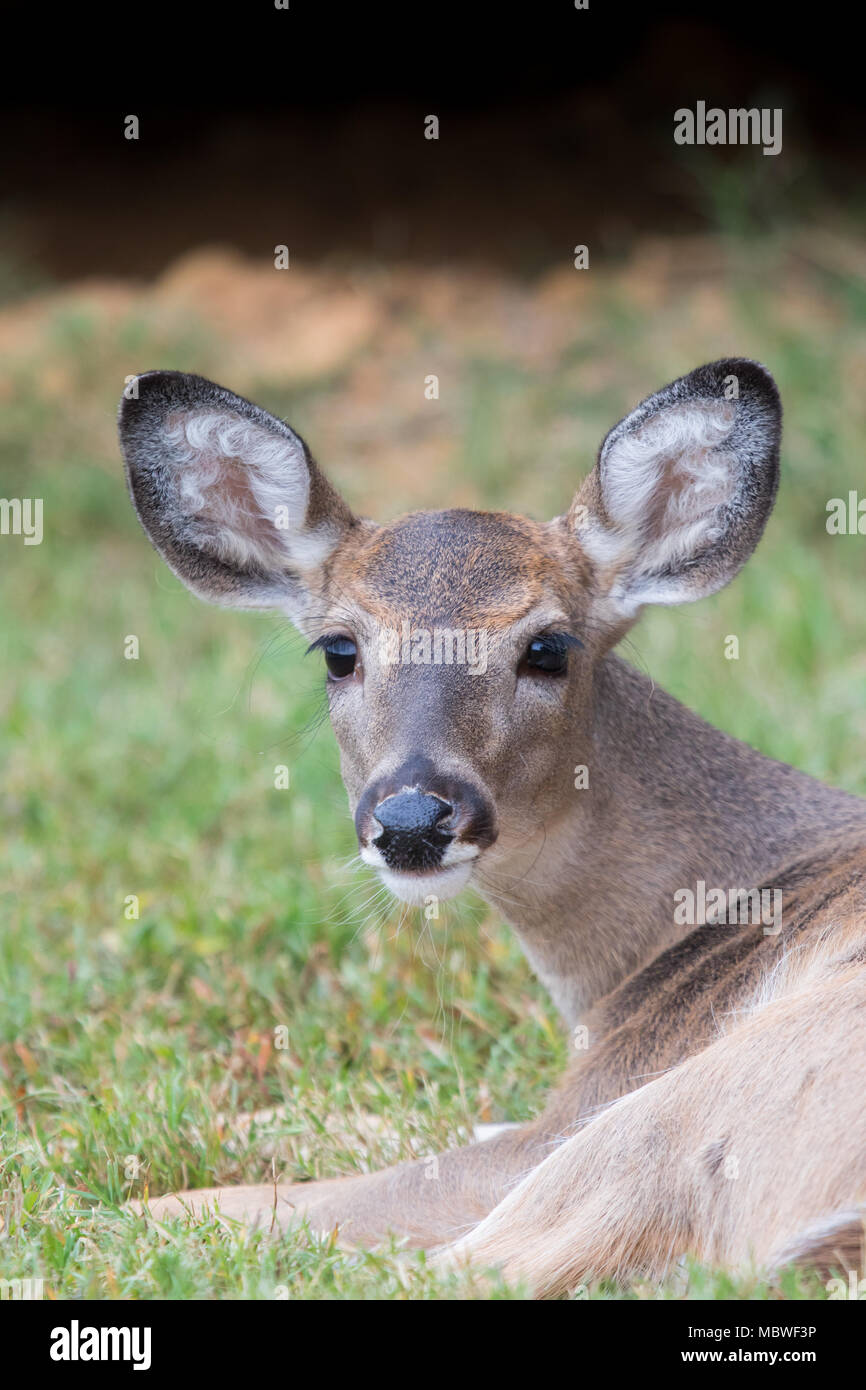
682	488
228	494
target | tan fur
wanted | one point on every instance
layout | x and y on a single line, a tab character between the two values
717	1107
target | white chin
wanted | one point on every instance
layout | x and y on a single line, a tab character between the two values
441	883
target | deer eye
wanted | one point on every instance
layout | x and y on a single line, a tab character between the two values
340	657
548	655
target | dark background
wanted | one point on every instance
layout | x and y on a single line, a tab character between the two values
306	127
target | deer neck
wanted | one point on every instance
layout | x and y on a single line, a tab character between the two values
670	802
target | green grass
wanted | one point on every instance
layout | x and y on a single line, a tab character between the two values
130	1046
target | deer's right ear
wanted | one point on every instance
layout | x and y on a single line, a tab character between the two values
227	493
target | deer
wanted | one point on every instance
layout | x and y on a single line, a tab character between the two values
715	1109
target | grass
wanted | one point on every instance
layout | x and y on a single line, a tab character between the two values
183	944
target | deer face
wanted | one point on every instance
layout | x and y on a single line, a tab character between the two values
459	646
455	670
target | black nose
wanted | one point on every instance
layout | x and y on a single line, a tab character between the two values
411	838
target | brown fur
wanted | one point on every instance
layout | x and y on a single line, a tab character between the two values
717	1109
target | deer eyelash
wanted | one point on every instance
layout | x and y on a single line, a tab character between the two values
326	638
566	639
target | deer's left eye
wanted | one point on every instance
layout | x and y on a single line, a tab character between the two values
340	657
547	655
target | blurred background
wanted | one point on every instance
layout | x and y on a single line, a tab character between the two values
152	778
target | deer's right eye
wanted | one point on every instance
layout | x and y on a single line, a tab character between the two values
340	657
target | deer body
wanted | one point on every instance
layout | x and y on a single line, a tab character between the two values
593	902
717	1105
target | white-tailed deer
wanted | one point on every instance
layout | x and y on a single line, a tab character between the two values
698	908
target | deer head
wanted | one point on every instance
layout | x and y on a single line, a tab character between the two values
461	647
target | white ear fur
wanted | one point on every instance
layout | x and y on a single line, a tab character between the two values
228	493
243	489
682	488
664	486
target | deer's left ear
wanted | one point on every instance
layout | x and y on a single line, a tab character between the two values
228	494
682	488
